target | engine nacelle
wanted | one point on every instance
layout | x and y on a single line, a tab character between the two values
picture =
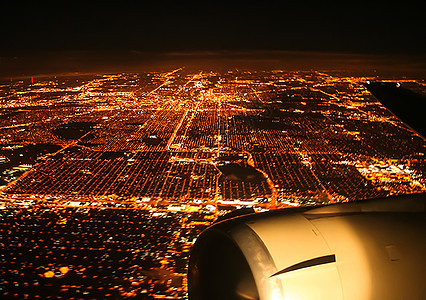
372	249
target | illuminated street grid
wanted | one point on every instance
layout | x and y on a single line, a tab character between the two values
106	180
312	137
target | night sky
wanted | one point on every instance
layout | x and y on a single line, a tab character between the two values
42	33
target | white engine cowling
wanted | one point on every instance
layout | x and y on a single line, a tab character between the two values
372	249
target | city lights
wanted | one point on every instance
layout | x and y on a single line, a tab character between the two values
106	180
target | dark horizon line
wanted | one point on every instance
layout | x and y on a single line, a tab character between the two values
87	61
213	51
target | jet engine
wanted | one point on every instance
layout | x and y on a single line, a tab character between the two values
370	249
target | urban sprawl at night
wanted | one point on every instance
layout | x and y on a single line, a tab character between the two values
106	180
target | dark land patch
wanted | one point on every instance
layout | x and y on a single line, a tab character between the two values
153	141
73	130
21	156
234	171
27	154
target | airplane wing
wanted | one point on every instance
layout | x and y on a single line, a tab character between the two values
407	105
